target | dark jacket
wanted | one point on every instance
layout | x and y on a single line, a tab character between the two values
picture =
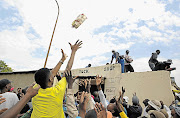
133	111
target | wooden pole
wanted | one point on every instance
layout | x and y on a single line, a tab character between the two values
52	36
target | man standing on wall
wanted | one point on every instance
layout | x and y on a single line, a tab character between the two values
153	60
128	60
119	59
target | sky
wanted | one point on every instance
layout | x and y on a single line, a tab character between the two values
140	26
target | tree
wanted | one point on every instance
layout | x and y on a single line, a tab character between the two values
4	67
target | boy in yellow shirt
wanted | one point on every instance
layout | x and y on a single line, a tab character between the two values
49	100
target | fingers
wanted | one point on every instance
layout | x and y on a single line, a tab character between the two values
103	108
62	51
77	41
96	110
76	77
82	97
2	100
97	107
70	73
65	74
70	44
3	110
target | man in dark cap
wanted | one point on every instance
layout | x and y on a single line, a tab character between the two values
11	98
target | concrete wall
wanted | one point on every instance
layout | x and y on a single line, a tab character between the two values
151	85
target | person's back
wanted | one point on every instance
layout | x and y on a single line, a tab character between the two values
11	100
153	58
134	111
48	102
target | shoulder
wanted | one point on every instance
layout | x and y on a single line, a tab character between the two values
10	95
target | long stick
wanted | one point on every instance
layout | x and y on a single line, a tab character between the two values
52	35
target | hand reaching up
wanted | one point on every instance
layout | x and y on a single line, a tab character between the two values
69	78
83	103
98	80
64	56
100	111
76	46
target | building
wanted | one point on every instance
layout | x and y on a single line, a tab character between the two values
151	85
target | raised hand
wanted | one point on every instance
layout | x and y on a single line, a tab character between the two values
82	104
69	79
98	80
123	90
100	111
64	56
76	46
134	94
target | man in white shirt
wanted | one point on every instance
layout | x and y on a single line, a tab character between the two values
128	60
11	98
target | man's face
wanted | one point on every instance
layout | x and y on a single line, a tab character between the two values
8	87
113	52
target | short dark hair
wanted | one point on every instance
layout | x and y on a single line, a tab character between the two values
113	100
42	77
157	50
3	83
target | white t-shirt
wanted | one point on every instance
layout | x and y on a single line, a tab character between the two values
11	100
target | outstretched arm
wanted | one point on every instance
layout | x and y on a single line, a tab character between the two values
112	59
58	66
70	104
74	48
15	110
101	94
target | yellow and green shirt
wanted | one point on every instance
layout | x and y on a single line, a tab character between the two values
49	102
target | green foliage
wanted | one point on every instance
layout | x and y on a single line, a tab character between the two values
4	67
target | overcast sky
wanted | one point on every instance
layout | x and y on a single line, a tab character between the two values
141	26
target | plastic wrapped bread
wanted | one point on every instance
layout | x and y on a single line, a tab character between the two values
79	20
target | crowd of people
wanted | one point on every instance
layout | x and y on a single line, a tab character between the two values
42	99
